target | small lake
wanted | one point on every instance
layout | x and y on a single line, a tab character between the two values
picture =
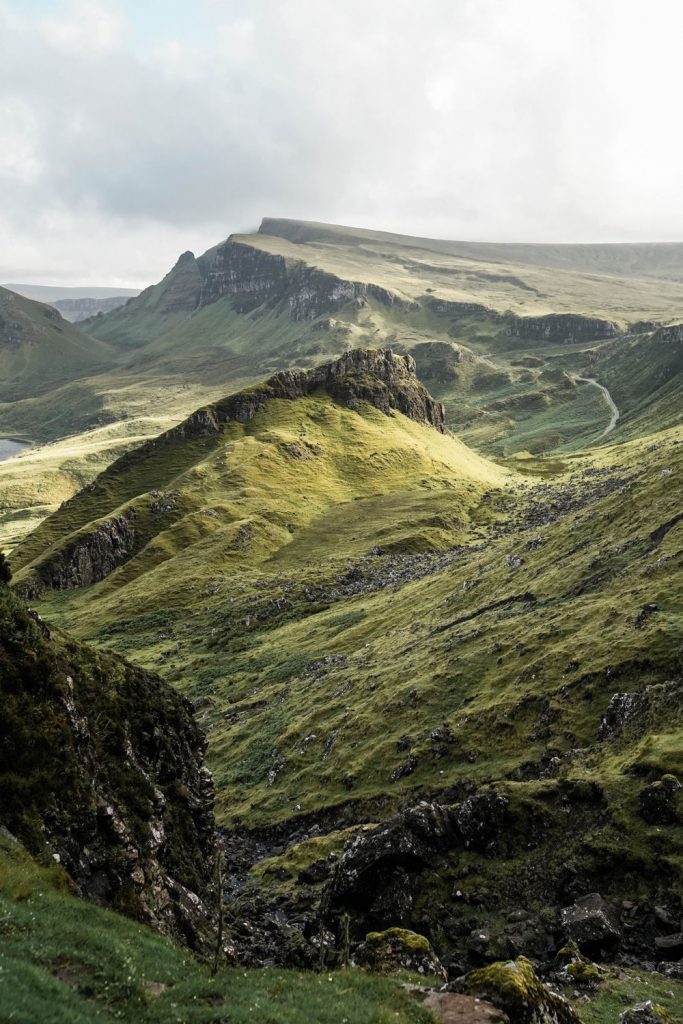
10	448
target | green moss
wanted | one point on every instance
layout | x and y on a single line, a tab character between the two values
583	973
515	987
401	937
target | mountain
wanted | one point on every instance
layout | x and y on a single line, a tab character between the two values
39	350
440	693
518	353
660	260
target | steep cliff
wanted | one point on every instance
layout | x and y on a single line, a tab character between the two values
101	769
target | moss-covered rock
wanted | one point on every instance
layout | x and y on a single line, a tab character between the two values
576	969
515	987
645	1013
398	949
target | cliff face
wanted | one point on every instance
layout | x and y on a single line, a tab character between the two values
563	328
251	277
101	769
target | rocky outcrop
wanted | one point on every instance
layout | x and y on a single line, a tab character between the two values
672	334
377	376
102	770
460	308
181	288
379	872
92	556
251	277
560	328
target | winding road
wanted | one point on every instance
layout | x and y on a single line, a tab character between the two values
610	401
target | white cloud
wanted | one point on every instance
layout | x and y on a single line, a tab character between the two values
490	119
92	25
19	159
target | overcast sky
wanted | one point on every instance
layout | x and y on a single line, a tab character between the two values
131	130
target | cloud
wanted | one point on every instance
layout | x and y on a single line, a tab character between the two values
493	119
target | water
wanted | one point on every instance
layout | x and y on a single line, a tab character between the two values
9	448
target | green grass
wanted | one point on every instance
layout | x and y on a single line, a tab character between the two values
624	988
64	961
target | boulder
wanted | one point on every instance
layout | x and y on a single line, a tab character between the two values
589	923
515	987
396	950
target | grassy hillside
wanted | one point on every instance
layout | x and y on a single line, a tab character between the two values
64	961
367	615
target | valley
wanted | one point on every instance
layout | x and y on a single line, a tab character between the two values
397	524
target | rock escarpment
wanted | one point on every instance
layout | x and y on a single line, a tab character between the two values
377	376
251	277
101	769
560	328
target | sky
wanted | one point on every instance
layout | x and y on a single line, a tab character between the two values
133	130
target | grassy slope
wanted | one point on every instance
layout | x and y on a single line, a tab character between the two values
243	607
64	961
251	478
662	260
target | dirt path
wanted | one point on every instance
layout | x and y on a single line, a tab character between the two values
610	401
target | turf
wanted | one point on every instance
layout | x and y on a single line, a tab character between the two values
64	961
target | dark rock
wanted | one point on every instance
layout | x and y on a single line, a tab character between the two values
623	709
670	945
658	801
113	781
316	872
590	923
481	818
407	768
